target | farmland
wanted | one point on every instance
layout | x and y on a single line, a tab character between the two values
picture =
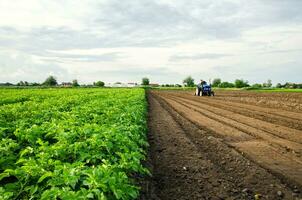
93	143
71	143
236	145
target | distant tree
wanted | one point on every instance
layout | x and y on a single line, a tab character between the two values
145	81
50	81
75	83
291	85
99	84
240	83
23	83
216	82
189	81
278	85
295	85
6	84
269	83
226	85
20	83
257	85
287	85
34	84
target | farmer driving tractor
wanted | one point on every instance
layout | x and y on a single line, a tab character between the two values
204	89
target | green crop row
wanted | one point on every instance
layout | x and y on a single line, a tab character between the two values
71	143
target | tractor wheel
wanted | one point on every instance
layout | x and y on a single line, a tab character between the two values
213	94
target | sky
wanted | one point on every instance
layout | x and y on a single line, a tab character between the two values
164	40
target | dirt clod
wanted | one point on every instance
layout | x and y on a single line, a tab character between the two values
280	194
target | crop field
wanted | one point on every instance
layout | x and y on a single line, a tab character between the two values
71	143
235	145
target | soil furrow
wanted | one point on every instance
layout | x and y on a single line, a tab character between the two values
288	149
213	170
279	131
278	100
179	170
282	164
264	116
274	111
246	128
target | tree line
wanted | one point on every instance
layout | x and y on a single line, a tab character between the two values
187	82
51	81
240	83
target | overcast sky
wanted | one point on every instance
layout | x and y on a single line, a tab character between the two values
165	40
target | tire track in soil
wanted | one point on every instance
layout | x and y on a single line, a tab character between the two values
213	170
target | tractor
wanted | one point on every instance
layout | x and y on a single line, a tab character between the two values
205	90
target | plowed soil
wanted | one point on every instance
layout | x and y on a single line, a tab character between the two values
236	145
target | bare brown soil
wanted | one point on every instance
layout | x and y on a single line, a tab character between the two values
287	101
224	147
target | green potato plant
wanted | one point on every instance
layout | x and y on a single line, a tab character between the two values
71	143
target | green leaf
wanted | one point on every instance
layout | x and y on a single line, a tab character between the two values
90	196
44	176
33	189
10	171
4	175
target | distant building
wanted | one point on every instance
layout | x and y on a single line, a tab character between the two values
120	84
66	84
154	85
132	84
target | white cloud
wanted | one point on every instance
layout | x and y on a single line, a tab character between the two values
115	40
